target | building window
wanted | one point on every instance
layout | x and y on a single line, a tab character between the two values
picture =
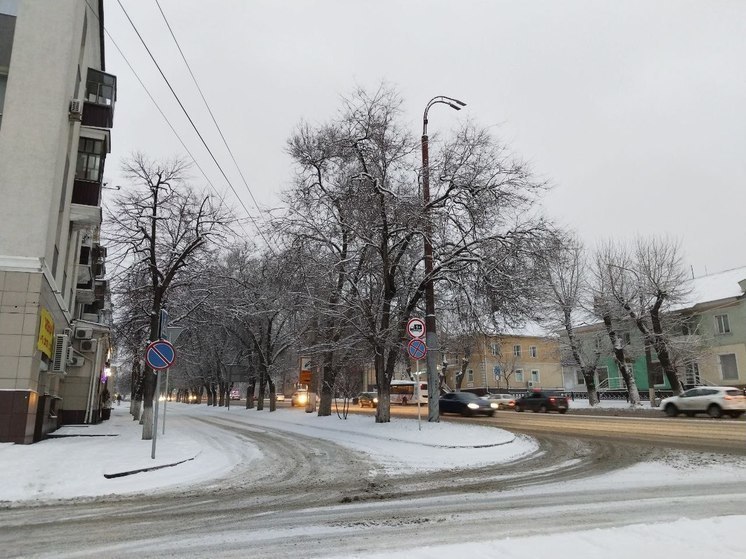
469	375
728	366
495	349
90	157
100	88
532	351
721	324
517	350
689	326
579	378
535	376
519	375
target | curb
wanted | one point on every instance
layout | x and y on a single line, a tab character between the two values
150	469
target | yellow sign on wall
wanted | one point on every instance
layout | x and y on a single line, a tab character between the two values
45	343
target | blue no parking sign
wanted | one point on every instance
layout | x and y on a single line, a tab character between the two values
417	349
159	355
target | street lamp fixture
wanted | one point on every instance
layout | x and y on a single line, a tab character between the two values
431	337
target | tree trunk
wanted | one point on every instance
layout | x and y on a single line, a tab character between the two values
272	395
262	386
621	361
222	396
587	370
250	395
660	345
383	411
589	374
327	386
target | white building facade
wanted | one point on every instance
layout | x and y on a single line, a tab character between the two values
56	112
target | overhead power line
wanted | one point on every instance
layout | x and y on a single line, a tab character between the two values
207	105
168	122
194	126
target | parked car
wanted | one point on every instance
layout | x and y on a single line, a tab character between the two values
503	401
279	397
466	403
715	401
540	401
235	394
299	398
368	399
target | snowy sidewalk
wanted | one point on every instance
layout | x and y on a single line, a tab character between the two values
86	460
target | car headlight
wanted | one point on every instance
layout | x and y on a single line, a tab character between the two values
302	399
494	406
472	406
375	400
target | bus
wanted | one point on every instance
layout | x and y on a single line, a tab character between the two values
404	392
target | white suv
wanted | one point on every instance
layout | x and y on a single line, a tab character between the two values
712	400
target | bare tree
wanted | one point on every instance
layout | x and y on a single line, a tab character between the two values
356	173
649	288
566	298
161	229
260	311
604	306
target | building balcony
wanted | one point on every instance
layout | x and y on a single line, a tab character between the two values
100	96
89	317
100	289
86	193
84	293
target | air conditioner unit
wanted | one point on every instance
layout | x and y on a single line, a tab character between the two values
76	108
76	361
530	384
88	346
83	333
60	355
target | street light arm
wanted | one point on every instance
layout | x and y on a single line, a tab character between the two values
450	101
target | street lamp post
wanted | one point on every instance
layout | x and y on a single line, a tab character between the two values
431	337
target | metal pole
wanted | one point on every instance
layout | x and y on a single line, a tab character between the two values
431	337
165	402
419	395
155	412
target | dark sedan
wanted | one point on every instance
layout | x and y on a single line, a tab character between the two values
466	403
544	402
368	399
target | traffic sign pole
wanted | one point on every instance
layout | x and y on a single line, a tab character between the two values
155	413
159	355
419	395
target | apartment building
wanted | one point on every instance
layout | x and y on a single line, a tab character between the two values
709	343
56	112
515	361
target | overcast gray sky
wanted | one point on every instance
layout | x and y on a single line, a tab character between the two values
634	111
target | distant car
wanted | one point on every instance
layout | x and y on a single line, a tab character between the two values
368	399
299	398
280	397
715	401
466	403
235	394
503	401
540	401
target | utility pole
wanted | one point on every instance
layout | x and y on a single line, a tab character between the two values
431	337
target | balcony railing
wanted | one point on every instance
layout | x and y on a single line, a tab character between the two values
86	193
